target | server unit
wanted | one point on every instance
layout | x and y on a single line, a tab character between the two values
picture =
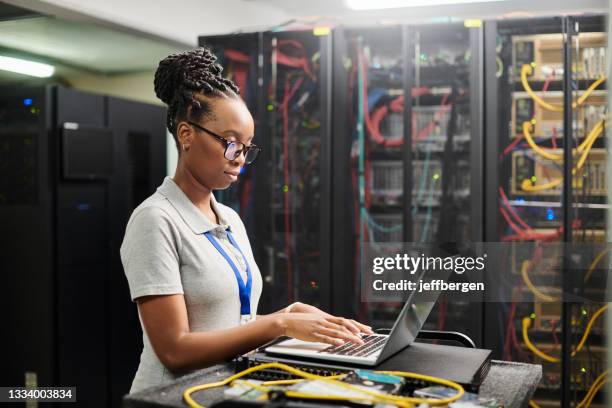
74	166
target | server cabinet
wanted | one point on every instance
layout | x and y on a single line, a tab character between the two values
546	158
428	144
75	165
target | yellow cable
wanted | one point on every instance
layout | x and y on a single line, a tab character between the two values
551	359
538	294
527	70
597	384
594	133
376	396
290	382
597	129
595	262
588	328
534	349
527	186
588	92
595	391
535	147
532	404
588	398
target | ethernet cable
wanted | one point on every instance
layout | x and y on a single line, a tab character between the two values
593	134
527	69
590	140
372	396
551	359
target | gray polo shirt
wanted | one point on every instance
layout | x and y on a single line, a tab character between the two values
165	252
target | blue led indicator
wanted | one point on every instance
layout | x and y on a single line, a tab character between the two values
27	102
550	214
84	207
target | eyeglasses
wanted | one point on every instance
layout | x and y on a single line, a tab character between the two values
233	149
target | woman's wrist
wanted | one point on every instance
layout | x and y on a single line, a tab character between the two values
280	324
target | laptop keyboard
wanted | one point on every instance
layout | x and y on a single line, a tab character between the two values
371	344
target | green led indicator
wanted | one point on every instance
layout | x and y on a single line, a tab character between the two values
584	312
583	370
533	179
270	107
285	188
436	176
533	315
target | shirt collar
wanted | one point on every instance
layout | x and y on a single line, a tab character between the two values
192	216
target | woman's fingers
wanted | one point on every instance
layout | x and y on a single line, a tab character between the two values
332	329
350	325
363	327
353	325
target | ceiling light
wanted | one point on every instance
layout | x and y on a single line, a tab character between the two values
387	4
26	67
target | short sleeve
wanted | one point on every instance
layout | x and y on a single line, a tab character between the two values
150	254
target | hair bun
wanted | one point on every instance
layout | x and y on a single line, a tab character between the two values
188	70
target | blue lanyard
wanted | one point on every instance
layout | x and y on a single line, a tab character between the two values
244	291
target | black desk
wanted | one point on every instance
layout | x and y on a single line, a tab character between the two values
513	384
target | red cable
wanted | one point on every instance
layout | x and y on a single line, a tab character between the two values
512	211
512	225
301	61
548	236
396	105
512	145
287	97
554	137
237	56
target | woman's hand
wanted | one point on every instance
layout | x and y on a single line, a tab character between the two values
317	327
352	325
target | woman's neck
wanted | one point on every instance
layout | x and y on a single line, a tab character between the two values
197	193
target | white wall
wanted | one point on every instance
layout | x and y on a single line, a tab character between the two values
138	86
181	21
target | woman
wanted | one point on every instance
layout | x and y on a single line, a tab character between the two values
187	258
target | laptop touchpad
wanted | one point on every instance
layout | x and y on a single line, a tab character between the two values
292	344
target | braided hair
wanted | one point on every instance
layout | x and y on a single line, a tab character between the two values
181	77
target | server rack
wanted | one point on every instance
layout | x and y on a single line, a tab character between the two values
74	166
547	91
429	144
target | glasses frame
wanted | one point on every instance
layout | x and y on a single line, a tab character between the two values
227	143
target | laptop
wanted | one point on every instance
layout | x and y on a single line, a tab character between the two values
376	347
